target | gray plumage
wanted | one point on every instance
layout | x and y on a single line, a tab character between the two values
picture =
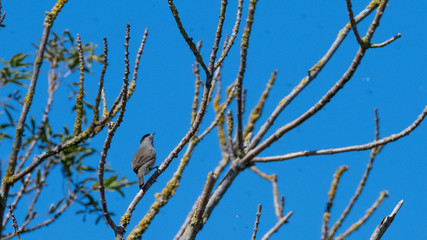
144	159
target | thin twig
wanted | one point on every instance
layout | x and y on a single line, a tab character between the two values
101	187
276	227
362	220
189	40
18	197
197	220
80	95
278	207
383	44
39	186
53	86
211	66
385	223
2	17
229	127
242	68
360	187
197	83
383	141
377	125
132	83
64	207
101	83
233	36
15	223
258	215
312	73
219	113
353	23
257	110
331	197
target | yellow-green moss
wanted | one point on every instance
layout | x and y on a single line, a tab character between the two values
326	216
317	65
374	3
8	180
51	16
29	98
125	219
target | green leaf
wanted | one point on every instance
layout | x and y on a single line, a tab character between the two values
12	122
38	177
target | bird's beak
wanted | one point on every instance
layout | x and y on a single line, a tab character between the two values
153	134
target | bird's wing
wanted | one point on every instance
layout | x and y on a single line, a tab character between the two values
142	157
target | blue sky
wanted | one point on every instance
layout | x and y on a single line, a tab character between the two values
290	36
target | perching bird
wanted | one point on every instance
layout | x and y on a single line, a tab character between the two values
144	159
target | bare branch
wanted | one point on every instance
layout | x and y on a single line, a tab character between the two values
392	39
331	197
197	221
15	223
132	83
101	186
101	84
196	72
2	17
257	110
218	35
258	215
79	97
374	153
104	104
233	35
189	40
220	112
362	220
239	82
53	86
312	73
229	127
18	197
353	23
278	207
385	223
39	186
276	227
383	141
377	125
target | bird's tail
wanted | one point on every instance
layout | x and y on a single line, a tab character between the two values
140	178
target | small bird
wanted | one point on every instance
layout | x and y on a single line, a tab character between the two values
144	159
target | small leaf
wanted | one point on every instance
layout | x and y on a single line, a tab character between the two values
38	177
